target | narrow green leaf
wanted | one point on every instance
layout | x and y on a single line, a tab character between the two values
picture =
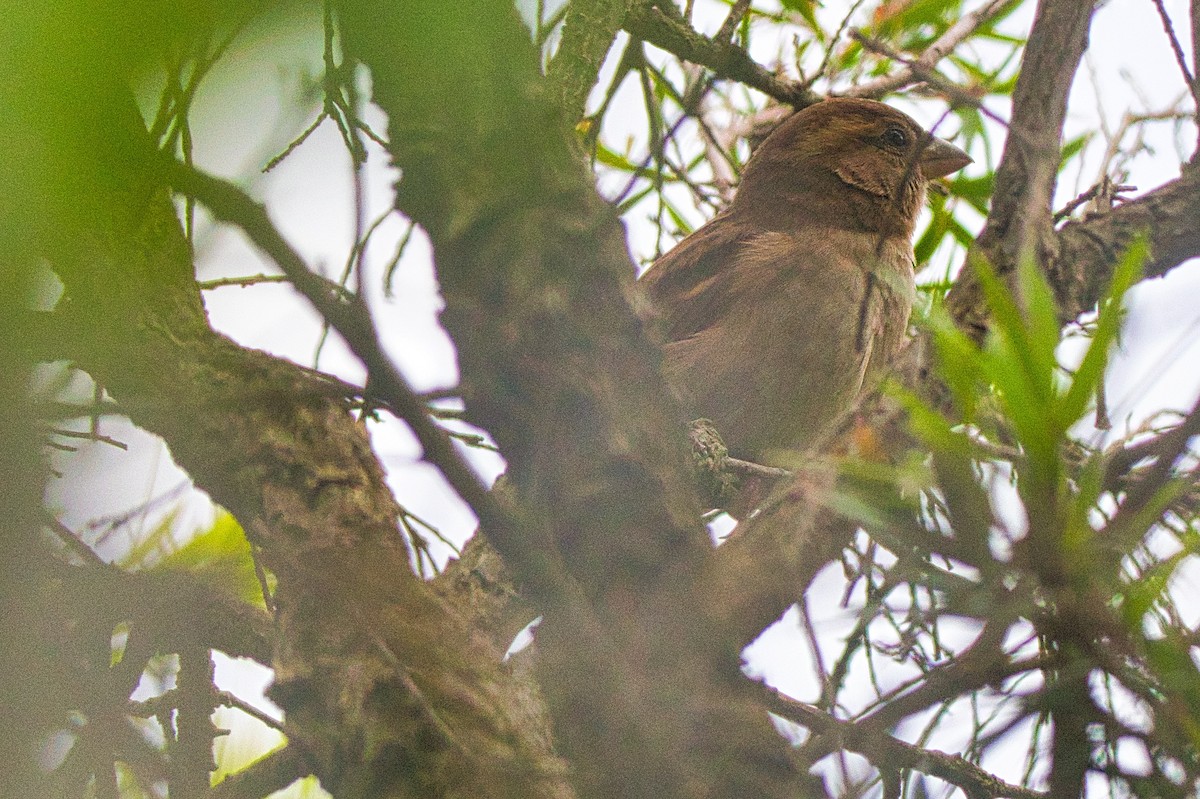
1019	360
1150	586
1131	530
1091	369
677	217
1072	148
958	358
1041	322
615	160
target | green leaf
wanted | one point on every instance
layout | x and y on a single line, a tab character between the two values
155	541
220	556
878	498
1041	315
616	160
961	235
970	510
1072	148
1079	534
635	198
1151	586
934	232
959	361
1020	351
1130	530
663	88
684	226
1170	659
1091	369
977	191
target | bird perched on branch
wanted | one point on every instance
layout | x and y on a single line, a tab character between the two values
777	309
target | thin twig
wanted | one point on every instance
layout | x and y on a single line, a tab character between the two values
389	270
642	168
107	524
957	94
296	142
241	282
89	435
265	776
922	66
436	394
433	530
229	700
1176	48
718	155
74	543
955	769
1170	446
177	111
1089	195
1116	156
827	59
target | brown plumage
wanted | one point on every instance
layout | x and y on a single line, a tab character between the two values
777	309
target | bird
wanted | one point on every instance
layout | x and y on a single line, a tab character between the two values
777	310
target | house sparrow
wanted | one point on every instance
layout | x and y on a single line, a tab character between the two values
777	309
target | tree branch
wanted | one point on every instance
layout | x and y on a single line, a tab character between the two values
734	18
1086	251
351	318
588	32
1020	220
770	560
1194	18
372	666
272	773
557	367
888	752
647	22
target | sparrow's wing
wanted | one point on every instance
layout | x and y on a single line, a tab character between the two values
693	285
696	284
883	314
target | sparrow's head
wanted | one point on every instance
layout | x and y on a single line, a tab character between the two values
849	152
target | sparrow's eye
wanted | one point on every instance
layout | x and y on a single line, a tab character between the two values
895	137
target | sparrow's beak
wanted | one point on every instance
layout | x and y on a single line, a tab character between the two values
939	158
